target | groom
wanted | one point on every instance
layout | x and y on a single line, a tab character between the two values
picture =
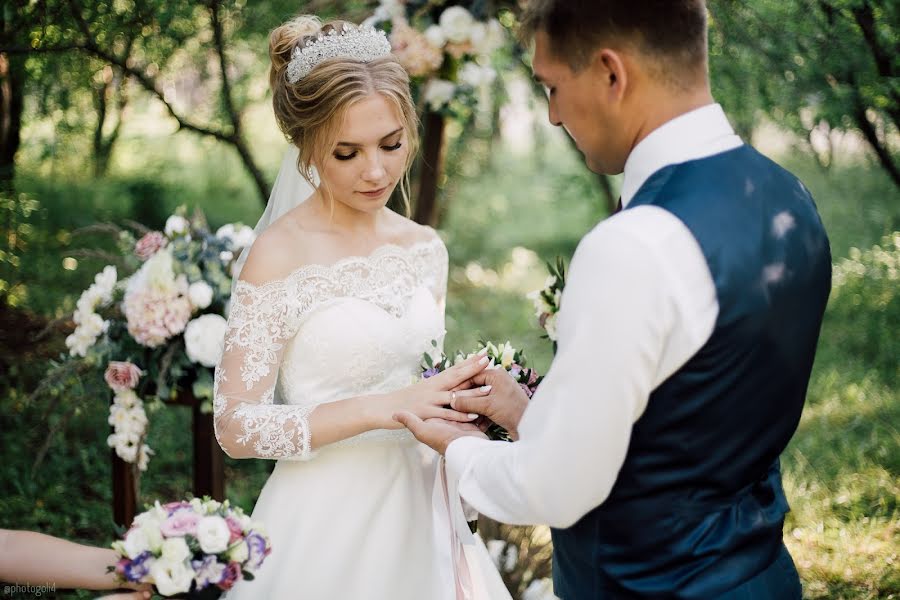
686	337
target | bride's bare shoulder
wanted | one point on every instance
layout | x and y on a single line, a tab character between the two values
279	251
409	232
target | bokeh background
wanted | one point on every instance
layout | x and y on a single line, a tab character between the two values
117	110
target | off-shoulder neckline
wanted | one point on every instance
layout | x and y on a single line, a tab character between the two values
377	252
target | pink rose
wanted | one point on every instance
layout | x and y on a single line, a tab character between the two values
173	507
121	376
232	573
181	523
237	532
150	244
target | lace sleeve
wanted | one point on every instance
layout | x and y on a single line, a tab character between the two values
248	423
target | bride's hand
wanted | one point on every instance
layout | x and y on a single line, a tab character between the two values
431	398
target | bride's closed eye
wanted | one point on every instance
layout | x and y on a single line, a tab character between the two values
391	148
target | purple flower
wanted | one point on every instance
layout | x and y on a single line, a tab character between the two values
138	568
430	372
515	370
209	572
526	389
259	550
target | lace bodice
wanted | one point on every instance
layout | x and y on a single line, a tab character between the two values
321	334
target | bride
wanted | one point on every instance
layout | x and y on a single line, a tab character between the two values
333	307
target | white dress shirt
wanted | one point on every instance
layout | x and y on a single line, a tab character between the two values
639	303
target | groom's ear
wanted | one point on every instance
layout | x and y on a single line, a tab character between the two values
609	70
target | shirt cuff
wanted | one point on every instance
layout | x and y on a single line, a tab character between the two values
460	453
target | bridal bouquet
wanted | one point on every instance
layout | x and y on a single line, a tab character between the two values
444	45
547	299
193	549
159	330
502	356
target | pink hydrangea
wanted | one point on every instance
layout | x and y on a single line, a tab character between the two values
154	316
150	244
121	376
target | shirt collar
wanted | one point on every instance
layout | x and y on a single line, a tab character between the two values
697	134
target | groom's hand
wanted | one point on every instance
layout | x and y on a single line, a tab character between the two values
437	433
504	405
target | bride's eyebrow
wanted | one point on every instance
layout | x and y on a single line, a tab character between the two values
355	145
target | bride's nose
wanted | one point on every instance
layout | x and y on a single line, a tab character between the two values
374	170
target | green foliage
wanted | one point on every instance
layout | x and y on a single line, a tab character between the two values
780	59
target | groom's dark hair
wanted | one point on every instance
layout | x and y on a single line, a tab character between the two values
673	31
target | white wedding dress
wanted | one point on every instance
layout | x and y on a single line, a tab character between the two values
368	517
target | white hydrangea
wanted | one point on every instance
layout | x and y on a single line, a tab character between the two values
456	23
439	93
435	36
129	422
204	339
240	237
200	294
477	76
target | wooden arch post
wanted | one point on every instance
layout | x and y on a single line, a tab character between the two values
426	212
209	466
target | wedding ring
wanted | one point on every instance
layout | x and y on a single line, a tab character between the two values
452	397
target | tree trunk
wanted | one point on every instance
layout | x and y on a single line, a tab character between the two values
432	150
12	82
881	151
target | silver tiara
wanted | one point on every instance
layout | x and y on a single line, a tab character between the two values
363	44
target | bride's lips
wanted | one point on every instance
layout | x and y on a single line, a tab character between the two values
375	193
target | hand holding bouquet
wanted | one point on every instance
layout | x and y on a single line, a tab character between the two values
191	549
502	356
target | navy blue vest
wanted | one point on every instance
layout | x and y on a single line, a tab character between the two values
698	506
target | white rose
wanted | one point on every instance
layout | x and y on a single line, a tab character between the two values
171	577
175	550
435	36
213	534
155	538
176	225
200	294
456	22
136	543
240	552
438	93
204	339
226	256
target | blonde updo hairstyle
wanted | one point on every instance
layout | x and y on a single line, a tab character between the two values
310	111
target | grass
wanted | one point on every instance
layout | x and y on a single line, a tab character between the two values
504	218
